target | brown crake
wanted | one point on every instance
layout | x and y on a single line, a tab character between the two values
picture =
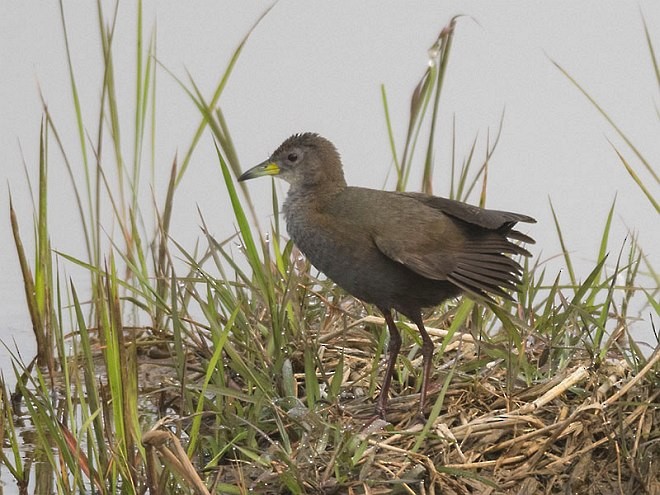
398	251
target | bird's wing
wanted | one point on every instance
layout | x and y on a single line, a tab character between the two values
443	247
437	238
481	217
480	268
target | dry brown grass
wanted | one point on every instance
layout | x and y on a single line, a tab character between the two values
586	429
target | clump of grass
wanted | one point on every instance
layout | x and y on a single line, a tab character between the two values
260	380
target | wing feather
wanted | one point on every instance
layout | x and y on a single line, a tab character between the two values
478	263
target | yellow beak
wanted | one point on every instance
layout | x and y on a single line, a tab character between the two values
264	168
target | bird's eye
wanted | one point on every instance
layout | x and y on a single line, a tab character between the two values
292	157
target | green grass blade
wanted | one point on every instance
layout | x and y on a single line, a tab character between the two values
600	109
443	45
638	180
218	92
564	249
390	132
602	252
654	59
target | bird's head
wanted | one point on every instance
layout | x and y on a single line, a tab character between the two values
306	161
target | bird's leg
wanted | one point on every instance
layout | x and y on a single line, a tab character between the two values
427	360
394	347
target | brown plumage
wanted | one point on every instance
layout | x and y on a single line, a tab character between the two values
398	251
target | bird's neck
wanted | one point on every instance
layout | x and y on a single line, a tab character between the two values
304	197
316	190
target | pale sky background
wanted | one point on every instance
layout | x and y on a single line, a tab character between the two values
318	66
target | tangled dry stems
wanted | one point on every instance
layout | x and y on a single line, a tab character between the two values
586	428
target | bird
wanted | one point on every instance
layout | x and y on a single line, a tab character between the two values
400	251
